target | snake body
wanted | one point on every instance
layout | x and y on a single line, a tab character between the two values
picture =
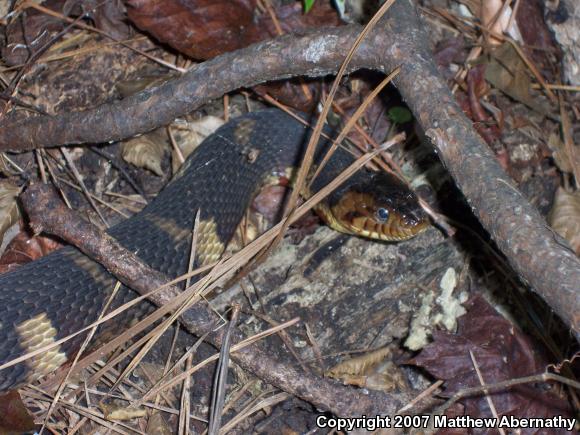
50	298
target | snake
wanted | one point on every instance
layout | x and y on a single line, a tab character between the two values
50	298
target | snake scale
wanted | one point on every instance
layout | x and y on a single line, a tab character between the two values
52	297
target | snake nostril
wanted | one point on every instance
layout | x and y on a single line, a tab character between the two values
411	219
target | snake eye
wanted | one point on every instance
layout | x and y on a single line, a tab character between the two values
382	214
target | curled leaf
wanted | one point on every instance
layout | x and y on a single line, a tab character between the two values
119	413
560	154
359	365
146	151
499	25
189	135
371	370
565	217
9	212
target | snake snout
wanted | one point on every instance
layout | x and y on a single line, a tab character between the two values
411	219
414	218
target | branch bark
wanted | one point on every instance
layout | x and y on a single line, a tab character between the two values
541	258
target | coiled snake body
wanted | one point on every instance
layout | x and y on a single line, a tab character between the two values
63	292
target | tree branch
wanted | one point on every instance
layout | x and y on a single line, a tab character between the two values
541	258
48	213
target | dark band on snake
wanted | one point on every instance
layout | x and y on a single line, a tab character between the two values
65	291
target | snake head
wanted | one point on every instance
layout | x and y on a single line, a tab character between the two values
381	208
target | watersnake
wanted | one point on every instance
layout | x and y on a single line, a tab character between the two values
63	292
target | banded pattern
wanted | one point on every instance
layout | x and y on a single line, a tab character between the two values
63	292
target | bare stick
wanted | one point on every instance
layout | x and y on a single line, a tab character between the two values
47	212
541	258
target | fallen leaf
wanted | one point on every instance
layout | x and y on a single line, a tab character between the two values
203	29
359	365
146	151
28	32
270	200
157	424
9	212
490	9
565	217
476	89
23	249
14	417
399	114
448	51
120	413
371	370
501	352
189	135
560	154
535	33
110	17
199	28
505	70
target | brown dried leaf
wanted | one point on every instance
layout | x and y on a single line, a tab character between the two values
9	212
498	24
559	153
120	413
188	136
477	88
206	28
270	200
565	217
200	28
14	417
27	32
448	51
146	151
501	352
507	72
360	365
23	249
4	9
203	29
371	370
535	33
110	17
157	424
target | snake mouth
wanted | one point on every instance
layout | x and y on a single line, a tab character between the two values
395	231
365	215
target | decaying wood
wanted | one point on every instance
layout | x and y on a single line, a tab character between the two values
351	293
539	256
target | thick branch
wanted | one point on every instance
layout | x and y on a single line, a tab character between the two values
48	213
540	258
